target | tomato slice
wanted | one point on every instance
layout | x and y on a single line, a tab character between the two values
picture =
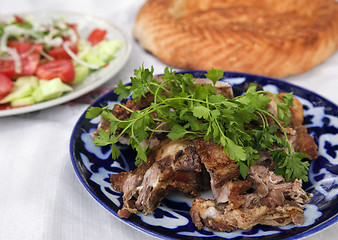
29	64
60	53
73	26
96	36
7	68
29	56
6	85
62	68
19	19
23	47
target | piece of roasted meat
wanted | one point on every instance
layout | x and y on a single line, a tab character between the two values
175	165
263	198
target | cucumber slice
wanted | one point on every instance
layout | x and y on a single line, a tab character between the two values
22	102
81	72
27	80
93	58
84	47
107	48
21	92
43	81
50	89
102	52
66	88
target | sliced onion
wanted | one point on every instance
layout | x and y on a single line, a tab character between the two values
73	36
15	56
76	58
11	51
47	56
28	52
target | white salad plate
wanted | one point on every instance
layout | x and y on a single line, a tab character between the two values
85	23
171	220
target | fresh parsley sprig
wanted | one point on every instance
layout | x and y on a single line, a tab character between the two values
196	111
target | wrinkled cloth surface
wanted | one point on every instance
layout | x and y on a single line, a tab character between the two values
40	195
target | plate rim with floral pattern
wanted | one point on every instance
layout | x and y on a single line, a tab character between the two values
86	23
93	165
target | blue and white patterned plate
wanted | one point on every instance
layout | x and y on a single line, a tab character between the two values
93	166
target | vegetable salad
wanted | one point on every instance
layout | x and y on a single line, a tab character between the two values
40	62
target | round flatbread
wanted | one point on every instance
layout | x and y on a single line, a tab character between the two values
265	37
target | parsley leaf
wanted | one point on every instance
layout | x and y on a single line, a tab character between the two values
122	90
93	112
291	166
201	112
214	75
102	139
177	132
242	125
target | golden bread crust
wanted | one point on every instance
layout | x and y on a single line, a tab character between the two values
265	37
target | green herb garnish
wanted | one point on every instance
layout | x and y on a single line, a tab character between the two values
196	111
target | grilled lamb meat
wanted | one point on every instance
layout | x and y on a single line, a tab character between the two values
297	134
207	213
232	192
272	201
218	163
222	88
120	113
128	183
175	165
220	166
264	198
191	166
268	186
304	143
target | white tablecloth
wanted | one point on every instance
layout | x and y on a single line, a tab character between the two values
40	196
